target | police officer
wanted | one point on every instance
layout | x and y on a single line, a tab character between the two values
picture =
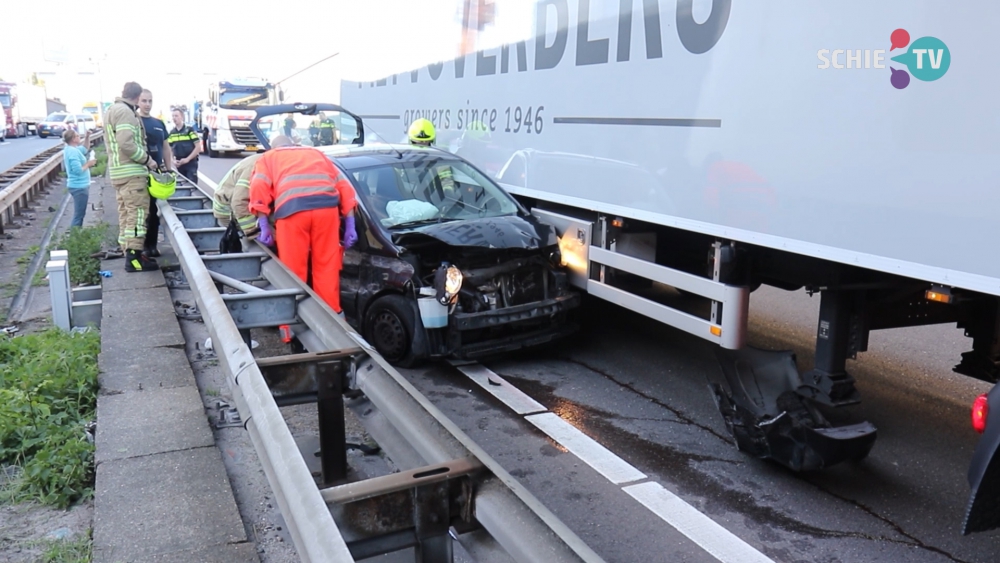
323	130
185	144
159	150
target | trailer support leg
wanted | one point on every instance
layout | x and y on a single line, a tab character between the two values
828	383
983	362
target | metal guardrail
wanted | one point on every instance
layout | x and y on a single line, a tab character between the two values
22	183
446	468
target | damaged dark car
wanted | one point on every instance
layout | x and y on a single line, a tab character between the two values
447	263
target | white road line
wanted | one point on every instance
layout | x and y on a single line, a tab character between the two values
702	530
719	542
497	386
208	181
614	468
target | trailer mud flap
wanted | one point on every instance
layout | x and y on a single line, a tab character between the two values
756	394
983	511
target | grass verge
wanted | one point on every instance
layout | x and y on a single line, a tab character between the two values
77	550
48	396
80	243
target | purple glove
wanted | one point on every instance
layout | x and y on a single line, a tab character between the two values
266	236
350	234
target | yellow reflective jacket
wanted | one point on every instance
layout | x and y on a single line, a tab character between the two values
126	140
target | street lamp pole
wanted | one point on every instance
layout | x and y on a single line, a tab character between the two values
100	87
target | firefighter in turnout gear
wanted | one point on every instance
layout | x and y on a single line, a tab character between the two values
128	167
186	146
232	198
306	195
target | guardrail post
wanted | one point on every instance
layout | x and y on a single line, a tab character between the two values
59	289
332	430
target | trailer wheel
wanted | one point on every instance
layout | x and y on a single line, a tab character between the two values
389	325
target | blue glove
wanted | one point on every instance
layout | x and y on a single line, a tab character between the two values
266	235
350	234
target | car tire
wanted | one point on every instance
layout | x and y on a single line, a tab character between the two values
42	135
389	327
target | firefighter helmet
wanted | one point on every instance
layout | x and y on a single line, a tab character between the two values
422	132
162	184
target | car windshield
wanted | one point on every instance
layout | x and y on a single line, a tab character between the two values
323	129
428	190
56	117
243	97
5	100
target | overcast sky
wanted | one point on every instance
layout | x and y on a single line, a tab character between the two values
170	46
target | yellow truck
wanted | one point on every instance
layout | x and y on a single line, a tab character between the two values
92	109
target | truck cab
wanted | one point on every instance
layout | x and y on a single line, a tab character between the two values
226	114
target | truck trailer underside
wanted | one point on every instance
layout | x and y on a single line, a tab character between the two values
772	408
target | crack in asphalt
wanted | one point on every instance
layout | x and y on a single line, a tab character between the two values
676	412
914	541
780	520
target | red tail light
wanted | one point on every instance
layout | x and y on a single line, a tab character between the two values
286	335
980	410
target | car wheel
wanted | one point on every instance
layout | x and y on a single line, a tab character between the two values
389	325
42	135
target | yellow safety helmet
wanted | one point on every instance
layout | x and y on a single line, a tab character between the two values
162	184
422	132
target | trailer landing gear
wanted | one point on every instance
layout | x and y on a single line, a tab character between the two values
771	410
759	396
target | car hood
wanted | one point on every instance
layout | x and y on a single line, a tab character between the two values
489	232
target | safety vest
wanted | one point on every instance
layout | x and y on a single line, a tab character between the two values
288	180
183	141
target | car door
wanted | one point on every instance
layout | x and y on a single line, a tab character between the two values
376	266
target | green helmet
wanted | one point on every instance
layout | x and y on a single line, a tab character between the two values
422	132
162	184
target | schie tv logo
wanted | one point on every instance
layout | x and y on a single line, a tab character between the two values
927	59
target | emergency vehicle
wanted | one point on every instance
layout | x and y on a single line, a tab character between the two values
226	114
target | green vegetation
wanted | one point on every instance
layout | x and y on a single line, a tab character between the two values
80	243
11	286
77	550
48	394
101	155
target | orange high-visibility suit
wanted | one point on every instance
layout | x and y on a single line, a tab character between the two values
306	195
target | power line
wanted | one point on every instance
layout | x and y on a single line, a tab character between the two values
307	68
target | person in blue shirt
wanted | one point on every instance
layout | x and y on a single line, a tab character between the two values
77	172
159	149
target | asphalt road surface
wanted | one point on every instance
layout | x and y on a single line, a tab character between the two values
638	389
16	151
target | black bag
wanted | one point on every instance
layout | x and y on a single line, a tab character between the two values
230	243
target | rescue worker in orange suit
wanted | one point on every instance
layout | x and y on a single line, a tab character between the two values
306	195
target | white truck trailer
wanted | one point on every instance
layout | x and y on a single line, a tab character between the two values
717	146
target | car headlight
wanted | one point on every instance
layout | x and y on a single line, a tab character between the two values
448	282
452	280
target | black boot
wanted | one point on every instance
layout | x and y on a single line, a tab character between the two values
136	261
